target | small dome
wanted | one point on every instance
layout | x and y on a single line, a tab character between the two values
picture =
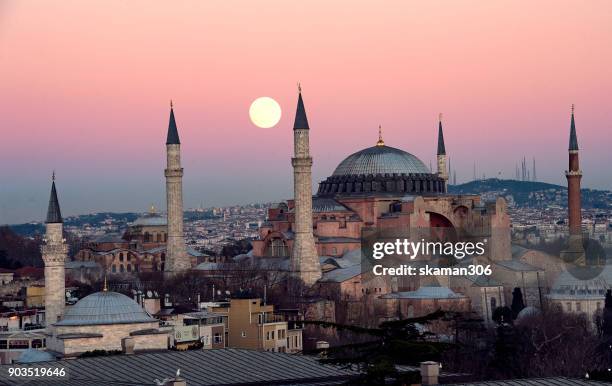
105	308
527	313
32	355
381	159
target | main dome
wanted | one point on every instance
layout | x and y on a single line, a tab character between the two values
105	308
380	160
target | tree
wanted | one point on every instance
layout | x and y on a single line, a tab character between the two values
376	352
606	328
517	302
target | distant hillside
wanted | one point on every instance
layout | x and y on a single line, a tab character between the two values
532	194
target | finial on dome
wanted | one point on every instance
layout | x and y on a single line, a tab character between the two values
380	139
171	104
299	87
152	209
105	288
53	176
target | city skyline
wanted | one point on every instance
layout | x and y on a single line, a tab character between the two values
100	120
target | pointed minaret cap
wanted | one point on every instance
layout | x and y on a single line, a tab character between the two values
573	141
441	148
301	122
54	215
173	137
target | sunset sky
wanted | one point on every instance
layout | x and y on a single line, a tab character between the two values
85	90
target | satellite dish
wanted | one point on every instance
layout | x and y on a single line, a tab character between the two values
149	294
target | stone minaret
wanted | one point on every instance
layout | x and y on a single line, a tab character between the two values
442	170
304	257
176	256
54	252
573	175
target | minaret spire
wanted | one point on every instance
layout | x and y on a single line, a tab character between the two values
304	258
173	136
441	155
441	147
573	141
54	214
301	121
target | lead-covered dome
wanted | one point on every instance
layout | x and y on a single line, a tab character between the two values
381	171
380	160
105	308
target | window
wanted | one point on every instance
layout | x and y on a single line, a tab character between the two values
129	257
568	306
243	334
277	248
121	257
218	338
272	334
121	269
598	305
578	306
493	305
129	267
114	268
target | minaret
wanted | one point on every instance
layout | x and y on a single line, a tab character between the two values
54	252
176	256
304	258
575	250
441	153
573	174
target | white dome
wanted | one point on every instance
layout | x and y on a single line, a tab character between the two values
105	308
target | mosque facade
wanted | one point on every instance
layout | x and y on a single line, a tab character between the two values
386	188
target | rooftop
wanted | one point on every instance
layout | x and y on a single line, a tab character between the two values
198	367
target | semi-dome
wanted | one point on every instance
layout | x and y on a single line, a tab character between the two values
105	308
380	159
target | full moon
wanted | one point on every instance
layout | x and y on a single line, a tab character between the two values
265	112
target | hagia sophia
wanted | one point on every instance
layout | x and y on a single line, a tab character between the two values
318	240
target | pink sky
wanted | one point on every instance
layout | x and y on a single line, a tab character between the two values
86	85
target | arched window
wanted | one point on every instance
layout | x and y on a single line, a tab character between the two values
121	256
121	269
114	268
277	248
129	267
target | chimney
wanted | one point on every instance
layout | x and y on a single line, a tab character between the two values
323	346
178	381
127	345
429	373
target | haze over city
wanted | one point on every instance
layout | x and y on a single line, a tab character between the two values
87	94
